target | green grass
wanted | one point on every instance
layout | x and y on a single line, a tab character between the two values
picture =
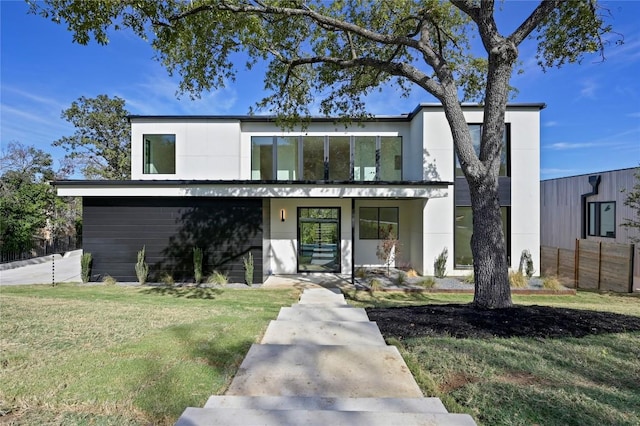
112	355
594	380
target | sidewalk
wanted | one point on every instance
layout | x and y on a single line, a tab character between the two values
322	362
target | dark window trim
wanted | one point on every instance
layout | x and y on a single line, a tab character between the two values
378	226
146	154
339	247
598	219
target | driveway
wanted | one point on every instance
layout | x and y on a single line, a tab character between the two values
43	270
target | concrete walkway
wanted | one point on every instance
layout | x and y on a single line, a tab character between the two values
43	270
322	362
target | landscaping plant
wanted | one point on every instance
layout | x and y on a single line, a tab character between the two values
197	264
85	267
388	250
142	268
440	264
248	268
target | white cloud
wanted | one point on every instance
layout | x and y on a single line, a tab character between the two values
550	124
634	114
561	146
588	89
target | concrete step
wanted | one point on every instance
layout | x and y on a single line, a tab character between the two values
397	405
323	333
315	297
240	416
331	371
313	313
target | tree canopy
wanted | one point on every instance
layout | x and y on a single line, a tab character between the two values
100	144
338	52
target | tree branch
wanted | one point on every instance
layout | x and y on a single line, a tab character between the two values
531	23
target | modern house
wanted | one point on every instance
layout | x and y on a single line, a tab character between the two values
317	199
589	207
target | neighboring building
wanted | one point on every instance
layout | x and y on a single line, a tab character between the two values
591	207
314	200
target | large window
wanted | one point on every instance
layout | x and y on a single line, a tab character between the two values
464	229
602	219
476	133
377	223
159	154
332	158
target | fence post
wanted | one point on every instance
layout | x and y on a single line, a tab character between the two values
599	264
576	262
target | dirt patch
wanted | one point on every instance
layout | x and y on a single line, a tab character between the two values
464	321
456	381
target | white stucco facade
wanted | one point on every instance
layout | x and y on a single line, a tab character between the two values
213	158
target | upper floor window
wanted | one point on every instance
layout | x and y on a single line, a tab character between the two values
159	154
602	219
333	158
476	133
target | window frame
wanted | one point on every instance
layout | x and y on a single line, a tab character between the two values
379	235
596	216
506	230
146	152
507	147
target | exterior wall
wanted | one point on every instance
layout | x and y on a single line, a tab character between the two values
115	229
282	257
561	210
205	148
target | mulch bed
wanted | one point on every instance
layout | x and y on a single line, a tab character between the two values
464	321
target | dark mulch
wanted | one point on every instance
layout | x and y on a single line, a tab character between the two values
464	321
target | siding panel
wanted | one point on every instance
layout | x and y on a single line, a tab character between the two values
115	229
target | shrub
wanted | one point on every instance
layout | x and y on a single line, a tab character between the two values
402	278
197	264
517	280
375	285
109	280
526	263
440	264
469	279
218	278
411	273
551	283
361	273
428	282
167	278
248	269
142	269
85	267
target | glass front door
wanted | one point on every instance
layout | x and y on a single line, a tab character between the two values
318	239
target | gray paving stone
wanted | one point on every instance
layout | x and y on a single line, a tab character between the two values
400	405
240	416
323	333
311	313
331	371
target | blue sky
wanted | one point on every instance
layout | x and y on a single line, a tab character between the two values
591	123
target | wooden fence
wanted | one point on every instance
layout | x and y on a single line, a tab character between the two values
592	265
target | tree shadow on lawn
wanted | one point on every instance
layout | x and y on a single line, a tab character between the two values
207	293
464	321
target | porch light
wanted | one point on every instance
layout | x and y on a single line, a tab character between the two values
283	215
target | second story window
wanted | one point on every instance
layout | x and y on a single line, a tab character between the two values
476	133
159	154
326	158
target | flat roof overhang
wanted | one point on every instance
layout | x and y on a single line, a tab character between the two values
251	189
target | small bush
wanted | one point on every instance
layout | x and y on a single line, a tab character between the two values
218	278
428	282
361	273
142	268
85	267
402	278
109	280
517	280
375	285
248	269
526	263
167	279
440	264
411	273
469	279
197	264
551	283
